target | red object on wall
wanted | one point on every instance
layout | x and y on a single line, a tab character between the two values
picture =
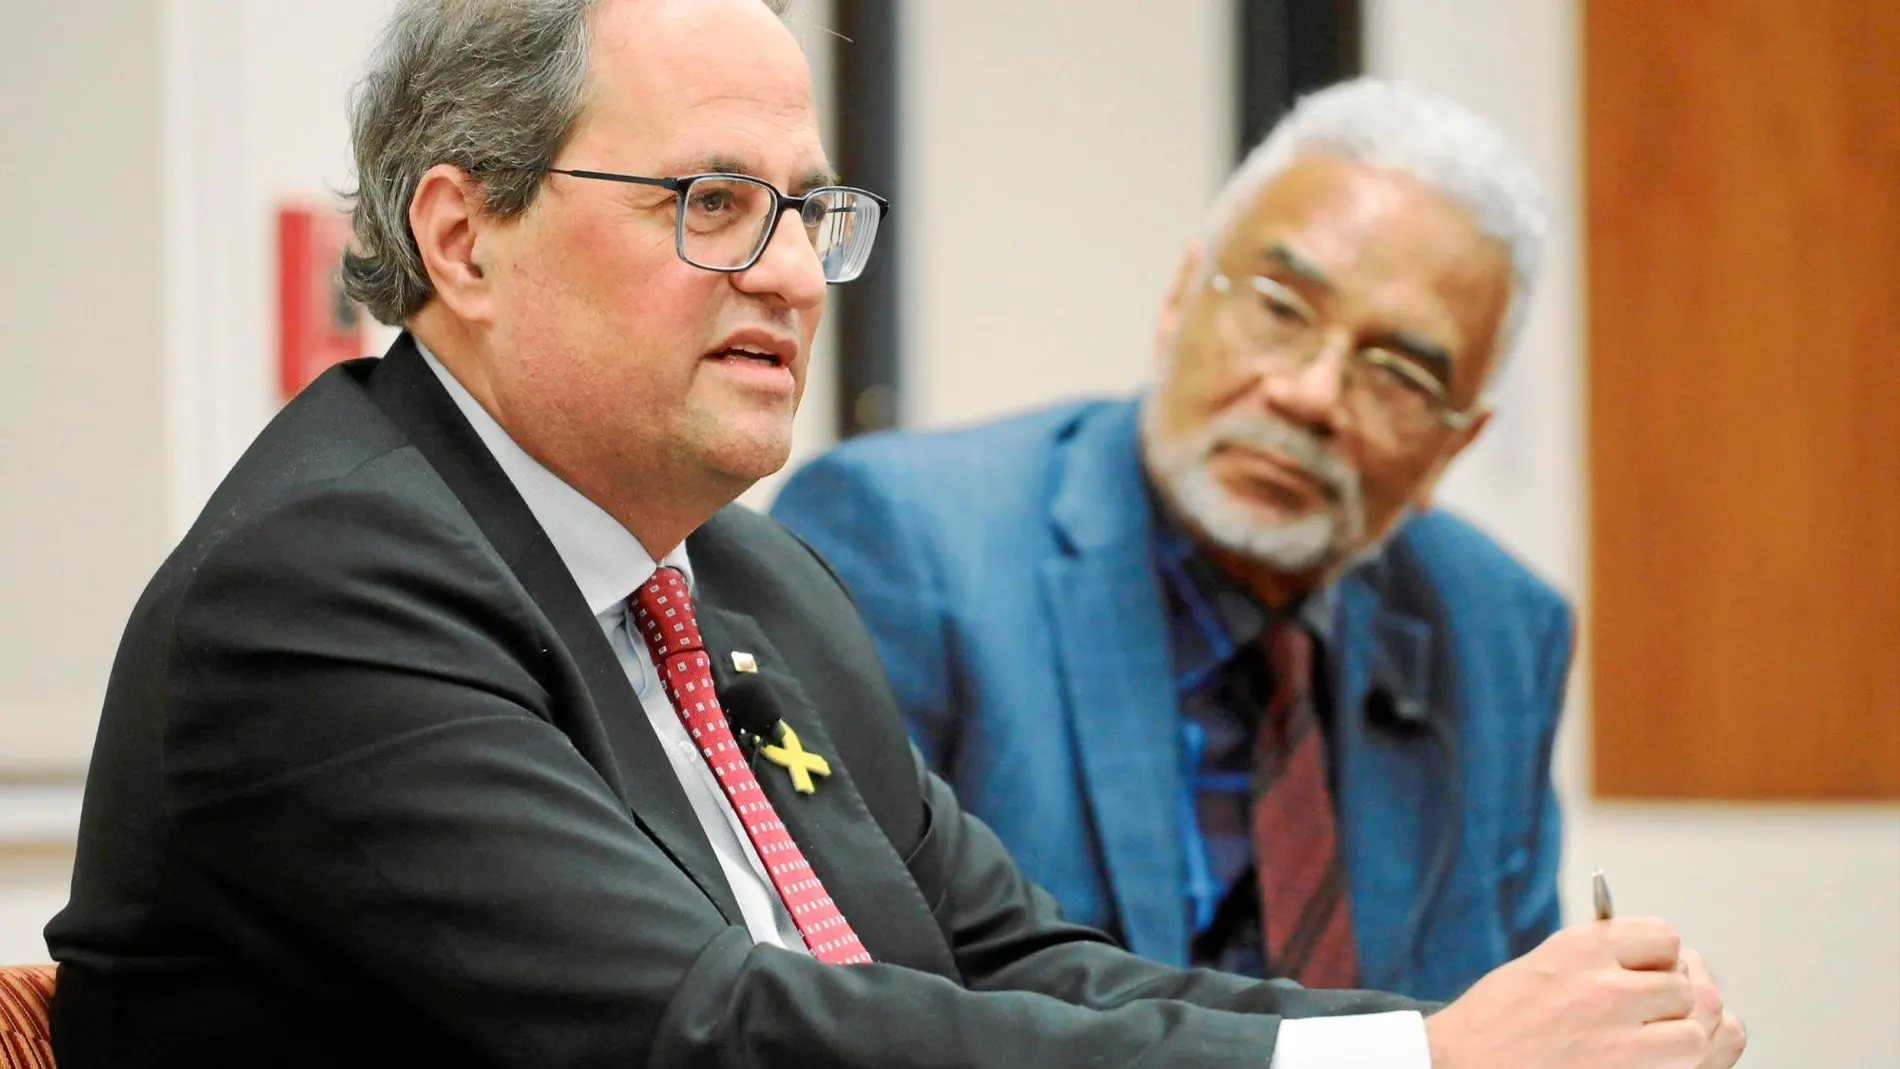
317	325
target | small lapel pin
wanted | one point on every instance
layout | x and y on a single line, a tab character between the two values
744	662
788	753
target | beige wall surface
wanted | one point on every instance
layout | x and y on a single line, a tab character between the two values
1057	157
82	450
32	888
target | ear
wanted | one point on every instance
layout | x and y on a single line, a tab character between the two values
446	218
1169	321
1460	439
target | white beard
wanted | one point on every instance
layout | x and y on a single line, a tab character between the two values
1318	539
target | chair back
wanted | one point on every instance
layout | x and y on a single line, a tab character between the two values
26	1042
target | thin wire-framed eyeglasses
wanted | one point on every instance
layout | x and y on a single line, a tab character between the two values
725	221
1283	333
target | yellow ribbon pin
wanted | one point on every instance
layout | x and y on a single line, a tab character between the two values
792	756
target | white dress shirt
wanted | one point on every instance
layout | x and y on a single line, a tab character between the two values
608	563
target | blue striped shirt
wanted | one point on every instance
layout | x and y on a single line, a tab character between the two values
1222	683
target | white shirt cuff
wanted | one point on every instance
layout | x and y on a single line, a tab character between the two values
1364	1041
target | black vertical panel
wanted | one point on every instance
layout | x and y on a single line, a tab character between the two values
865	69
1288	48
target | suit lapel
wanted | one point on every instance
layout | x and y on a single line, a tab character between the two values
648	784
1110	634
832	826
617	739
1396	778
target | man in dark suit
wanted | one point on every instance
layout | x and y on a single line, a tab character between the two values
1081	608
417	750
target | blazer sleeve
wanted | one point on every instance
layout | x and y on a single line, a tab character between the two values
858	519
364	769
1007	933
1534	905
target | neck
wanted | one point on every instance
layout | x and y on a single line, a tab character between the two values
456	348
660	522
1274	589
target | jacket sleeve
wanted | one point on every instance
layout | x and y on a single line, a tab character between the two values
1007	933
1036	990
363	767
862	523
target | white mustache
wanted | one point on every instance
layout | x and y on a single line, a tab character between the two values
1274	435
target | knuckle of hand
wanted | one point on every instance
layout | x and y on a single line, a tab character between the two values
1678	1041
1605	998
1711	996
1573	940
1696	1043
1657	927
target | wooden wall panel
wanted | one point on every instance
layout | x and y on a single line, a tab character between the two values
1742	198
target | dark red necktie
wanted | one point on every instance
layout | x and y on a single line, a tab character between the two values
662	612
1305	917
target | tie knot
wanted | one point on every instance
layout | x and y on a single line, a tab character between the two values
1289	654
663	614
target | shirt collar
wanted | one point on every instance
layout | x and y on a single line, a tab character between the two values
607	562
1242	615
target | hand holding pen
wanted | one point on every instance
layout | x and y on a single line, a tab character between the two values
1615	994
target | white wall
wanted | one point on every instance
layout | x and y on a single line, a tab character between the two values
32	888
255	95
81	441
36	857
1056	158
1798	908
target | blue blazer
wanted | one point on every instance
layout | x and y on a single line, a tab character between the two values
1007	573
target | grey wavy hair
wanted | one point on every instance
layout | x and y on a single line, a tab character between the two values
491	86
1431	137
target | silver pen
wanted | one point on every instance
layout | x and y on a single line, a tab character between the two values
1600	891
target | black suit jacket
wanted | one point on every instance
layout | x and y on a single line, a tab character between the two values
370	788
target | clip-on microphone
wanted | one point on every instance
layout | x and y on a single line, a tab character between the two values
752	709
1389	706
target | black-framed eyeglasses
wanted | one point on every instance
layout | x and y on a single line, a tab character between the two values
724	221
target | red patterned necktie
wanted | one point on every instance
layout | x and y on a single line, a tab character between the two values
662	611
1304	913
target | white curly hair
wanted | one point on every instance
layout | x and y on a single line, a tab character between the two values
1431	137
